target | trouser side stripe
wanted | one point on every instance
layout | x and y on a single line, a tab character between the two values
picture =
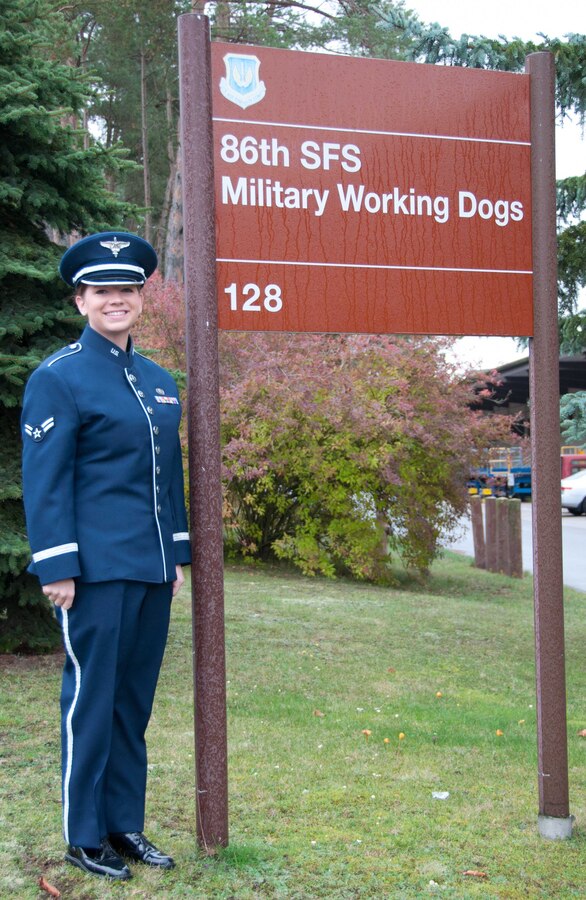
69	726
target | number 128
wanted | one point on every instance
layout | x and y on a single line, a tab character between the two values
249	299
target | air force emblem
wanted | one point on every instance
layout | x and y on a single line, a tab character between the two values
38	432
241	84
115	246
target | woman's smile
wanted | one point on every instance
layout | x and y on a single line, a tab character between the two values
111	309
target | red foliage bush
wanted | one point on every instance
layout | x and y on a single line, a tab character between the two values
338	451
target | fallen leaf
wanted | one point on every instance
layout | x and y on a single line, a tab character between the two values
318	713
474	873
582	733
48	888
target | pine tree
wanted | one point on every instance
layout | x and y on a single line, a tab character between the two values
50	185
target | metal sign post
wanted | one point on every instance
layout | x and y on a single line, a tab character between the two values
204	432
554	817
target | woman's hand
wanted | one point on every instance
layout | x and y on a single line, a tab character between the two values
179	580
61	593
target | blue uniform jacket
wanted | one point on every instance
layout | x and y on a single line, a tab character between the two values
102	470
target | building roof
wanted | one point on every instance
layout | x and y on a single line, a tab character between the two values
515	379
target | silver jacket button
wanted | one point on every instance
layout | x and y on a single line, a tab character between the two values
150	410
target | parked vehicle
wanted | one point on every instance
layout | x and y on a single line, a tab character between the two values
514	482
572	462
508	475
574	493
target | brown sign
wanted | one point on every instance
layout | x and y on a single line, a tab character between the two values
359	195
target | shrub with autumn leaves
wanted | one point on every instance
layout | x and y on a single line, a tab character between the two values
339	452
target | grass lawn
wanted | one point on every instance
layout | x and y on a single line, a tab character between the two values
317	807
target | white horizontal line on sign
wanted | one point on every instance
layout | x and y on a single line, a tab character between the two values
284	262
432	137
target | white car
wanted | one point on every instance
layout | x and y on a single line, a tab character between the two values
574	493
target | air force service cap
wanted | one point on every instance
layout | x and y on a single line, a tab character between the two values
110	257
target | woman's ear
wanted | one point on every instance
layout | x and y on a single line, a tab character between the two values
80	303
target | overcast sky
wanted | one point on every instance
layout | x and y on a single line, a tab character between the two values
524	19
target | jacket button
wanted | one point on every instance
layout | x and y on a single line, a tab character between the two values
132	378
159	508
157	449
155	429
150	410
158	470
140	393
158	489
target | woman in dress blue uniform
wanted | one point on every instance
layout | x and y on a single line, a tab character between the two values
105	511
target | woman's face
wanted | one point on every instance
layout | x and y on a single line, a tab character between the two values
111	309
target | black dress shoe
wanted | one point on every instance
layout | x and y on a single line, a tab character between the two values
134	845
103	861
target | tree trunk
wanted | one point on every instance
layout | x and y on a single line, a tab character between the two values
145	148
161	244
174	242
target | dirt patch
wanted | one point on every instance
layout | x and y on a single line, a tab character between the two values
29	663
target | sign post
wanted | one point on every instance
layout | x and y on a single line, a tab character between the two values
370	196
207	575
554	815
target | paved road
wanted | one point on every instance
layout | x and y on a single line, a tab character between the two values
574	545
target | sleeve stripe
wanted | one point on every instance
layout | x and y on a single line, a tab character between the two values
181	536
55	551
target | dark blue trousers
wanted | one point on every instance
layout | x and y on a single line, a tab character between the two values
114	635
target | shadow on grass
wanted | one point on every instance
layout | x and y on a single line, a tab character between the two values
451	574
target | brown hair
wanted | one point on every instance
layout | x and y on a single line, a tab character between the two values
81	289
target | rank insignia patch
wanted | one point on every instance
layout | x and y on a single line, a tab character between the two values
38	432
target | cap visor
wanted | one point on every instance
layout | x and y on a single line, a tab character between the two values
111	278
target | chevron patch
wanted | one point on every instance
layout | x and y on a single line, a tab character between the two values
38	432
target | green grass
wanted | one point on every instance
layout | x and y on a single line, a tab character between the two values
316	809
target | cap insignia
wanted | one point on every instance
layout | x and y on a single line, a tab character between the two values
115	246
